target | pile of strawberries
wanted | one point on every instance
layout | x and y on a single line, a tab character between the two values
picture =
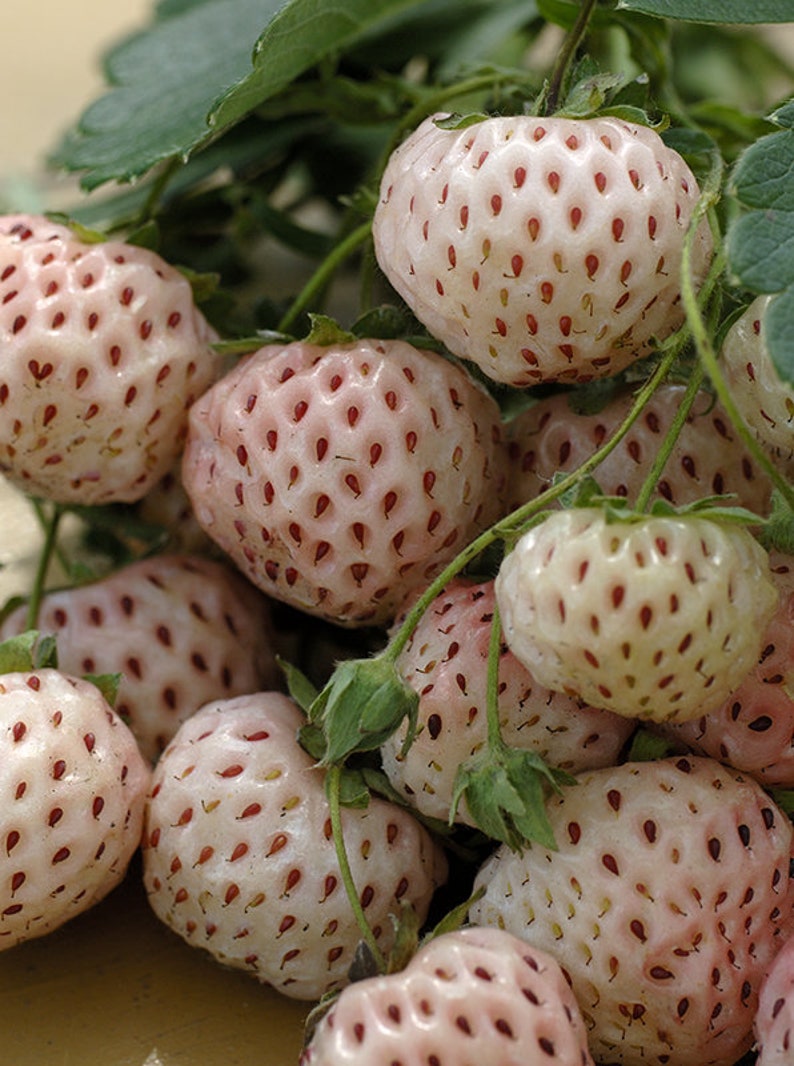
540	596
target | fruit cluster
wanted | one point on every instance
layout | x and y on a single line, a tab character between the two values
540	596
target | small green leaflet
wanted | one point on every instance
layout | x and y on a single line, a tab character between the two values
725	11
760	241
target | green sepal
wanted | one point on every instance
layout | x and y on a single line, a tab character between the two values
647	746
353	790
505	790
361	706
299	687
108	685
17	653
325	331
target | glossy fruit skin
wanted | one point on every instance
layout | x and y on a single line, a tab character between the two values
666	901
74	785
239	857
774	1020
103	352
469	996
179	629
753	730
542	249
446	662
558	433
338	478
763	400
660	618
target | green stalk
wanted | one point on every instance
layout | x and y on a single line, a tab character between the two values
505	528
42	569
565	58
323	274
334	802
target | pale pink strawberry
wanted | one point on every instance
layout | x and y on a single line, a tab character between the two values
774	1019
709	459
339	478
764	400
103	352
665	903
446	662
180	630
479	996
239	857
73	786
540	248
660	618
753	730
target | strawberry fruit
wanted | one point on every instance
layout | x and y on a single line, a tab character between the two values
665	903
542	249
104	350
469	996
660	617
74	785
338	478
239	856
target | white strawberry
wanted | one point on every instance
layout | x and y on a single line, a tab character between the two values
339	478
540	248
709	458
446	662
239	856
470	996
660	617
665	903
73	785
180	630
753	729
763	398
103	352
774	1019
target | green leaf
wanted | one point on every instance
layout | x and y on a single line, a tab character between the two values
300	36
108	685
16	653
300	688
164	82
725	11
361	706
779	334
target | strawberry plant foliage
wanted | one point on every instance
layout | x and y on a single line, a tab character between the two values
494	316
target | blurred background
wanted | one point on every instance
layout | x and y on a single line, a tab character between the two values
51	69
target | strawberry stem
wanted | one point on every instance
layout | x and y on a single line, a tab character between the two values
323	274
45	558
333	788
565	57
702	338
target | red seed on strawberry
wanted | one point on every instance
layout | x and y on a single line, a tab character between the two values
471	996
103	352
339	478
665	903
542	249
73	784
239	856
180	630
658	618
446	661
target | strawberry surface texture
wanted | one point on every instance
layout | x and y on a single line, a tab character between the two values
239	856
661	618
74	785
666	901
467	998
542	249
774	1020
180	630
103	351
339	478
